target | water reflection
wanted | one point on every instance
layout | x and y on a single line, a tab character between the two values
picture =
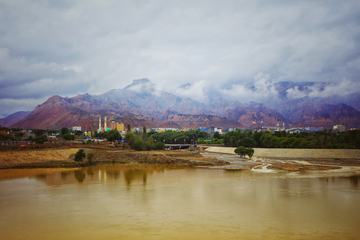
353	181
79	175
151	202
135	174
103	174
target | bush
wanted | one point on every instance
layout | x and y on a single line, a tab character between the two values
69	136
138	145
159	146
90	157
79	155
148	146
130	138
40	139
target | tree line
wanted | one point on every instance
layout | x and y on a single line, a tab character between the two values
281	139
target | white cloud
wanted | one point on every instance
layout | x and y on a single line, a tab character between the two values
343	88
9	106
262	90
96	46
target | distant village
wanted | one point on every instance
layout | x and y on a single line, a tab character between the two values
21	137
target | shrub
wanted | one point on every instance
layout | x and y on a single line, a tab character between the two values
90	157
148	146
79	155
69	136
130	138
138	145
40	139
159	146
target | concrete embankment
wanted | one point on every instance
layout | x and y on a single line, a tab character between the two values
294	153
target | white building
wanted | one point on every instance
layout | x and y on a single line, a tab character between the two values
76	128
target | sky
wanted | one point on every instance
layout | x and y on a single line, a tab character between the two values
198	49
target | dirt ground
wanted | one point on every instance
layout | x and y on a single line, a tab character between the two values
64	157
281	163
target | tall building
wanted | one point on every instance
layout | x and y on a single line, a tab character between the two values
120	127
339	128
99	130
283	125
105	127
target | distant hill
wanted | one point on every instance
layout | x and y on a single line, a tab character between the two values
140	104
256	114
13	118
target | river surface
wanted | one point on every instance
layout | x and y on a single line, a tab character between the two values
113	202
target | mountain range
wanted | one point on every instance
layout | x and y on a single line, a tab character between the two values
139	104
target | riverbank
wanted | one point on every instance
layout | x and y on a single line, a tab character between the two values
64	158
213	157
294	152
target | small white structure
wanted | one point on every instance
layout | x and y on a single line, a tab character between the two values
76	128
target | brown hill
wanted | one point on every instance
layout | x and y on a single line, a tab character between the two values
327	115
195	121
139	104
58	112
255	114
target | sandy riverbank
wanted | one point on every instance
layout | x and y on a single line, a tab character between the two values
65	158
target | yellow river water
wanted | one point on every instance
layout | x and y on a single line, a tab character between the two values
116	202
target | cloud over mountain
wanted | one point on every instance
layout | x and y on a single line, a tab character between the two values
68	47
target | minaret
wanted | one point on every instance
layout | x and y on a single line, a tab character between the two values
277	124
99	130
105	124
283	124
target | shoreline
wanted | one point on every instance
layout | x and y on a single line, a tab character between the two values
64	158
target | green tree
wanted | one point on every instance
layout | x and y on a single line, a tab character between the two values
128	128
249	152
78	133
40	139
114	135
240	151
69	136
64	131
159	146
138	145
217	135
248	142
79	155
90	157
130	138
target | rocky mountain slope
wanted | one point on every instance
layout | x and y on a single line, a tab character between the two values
140	104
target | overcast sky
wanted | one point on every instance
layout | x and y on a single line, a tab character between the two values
222	48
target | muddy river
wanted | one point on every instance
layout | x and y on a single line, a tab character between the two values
157	202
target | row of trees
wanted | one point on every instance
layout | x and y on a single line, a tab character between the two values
321	139
141	141
178	137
